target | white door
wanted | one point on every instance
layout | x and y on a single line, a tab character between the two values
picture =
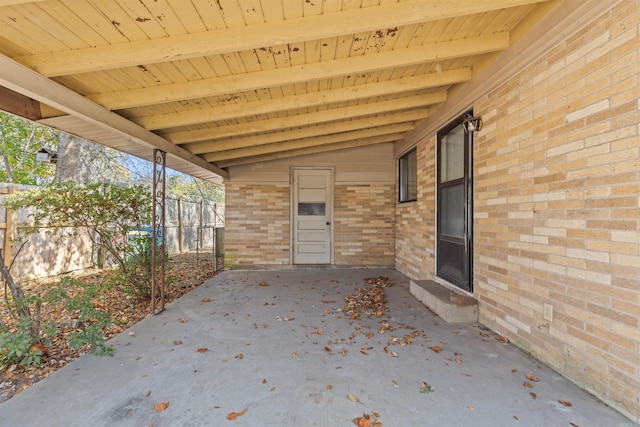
312	208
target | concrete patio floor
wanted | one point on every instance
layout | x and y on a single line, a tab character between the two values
267	352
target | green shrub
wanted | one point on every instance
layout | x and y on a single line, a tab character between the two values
92	319
17	347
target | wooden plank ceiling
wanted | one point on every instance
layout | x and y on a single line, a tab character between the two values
231	82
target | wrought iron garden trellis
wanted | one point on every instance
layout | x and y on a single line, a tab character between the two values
158	232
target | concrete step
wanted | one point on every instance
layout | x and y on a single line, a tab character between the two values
452	307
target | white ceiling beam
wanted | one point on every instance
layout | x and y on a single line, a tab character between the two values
20	79
307	132
302	73
311	150
247	128
307	142
306	100
216	42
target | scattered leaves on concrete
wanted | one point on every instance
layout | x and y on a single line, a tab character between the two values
532	377
233	415
426	387
159	407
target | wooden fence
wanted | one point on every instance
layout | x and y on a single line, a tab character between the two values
190	226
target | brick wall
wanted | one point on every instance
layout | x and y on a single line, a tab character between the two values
256	224
415	221
364	221
557	208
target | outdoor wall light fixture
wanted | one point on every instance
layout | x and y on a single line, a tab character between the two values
471	124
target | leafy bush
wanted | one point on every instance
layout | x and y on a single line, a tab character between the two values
108	213
92	319
17	347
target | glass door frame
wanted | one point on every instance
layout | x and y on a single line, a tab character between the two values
466	282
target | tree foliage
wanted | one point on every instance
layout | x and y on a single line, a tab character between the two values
19	141
108	213
180	185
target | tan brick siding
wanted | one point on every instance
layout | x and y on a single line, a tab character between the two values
557	208
364	219
415	221
256	224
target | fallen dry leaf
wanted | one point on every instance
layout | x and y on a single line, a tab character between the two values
159	407
368	420
233	415
504	340
565	403
264	381
353	398
527	384
39	347
318	332
426	387
362	422
180	320
263	284
531	377
516	418
436	348
239	356
535	396
177	342
206	299
148	394
202	350
329	387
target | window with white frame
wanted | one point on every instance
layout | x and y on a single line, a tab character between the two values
408	177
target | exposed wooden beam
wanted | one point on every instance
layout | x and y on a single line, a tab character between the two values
28	83
279	123
311	150
302	73
308	142
18	104
307	132
14	2
226	40
232	111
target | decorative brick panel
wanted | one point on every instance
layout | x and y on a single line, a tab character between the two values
256	224
364	221
557	208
